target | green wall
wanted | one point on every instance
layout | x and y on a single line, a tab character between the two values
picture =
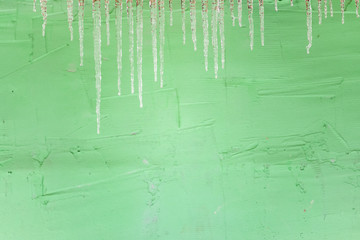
269	150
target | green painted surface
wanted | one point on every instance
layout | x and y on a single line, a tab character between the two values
270	150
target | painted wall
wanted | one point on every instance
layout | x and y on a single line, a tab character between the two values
269	150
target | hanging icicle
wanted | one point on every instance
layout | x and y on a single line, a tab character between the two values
193	21
222	32
240	12
34	6
162	39
171	12
205	25
342	6
276	5
97	57
325	8
107	19
81	30
183	18
309	24
357	8
232	12
70	17
331	8
319	11
131	43
139	45
262	27
118	23
43	6
214	37
153	19
251	23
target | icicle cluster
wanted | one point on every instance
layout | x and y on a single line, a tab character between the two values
157	21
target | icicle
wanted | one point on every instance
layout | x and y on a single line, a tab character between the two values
214	37
118	23
276	5
153	18
162	39
139	45
309	25
171	12
342	5
251	23
107	19
81	31
205	24
232	12
291	3
357	8
319	11
325	8
261	13
34	6
240	12
183	16
331	8
193	21
70	17
222	32
131	42
97	57
43	5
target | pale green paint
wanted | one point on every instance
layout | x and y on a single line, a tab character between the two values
270	150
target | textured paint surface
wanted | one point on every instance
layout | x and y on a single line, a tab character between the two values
269	150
